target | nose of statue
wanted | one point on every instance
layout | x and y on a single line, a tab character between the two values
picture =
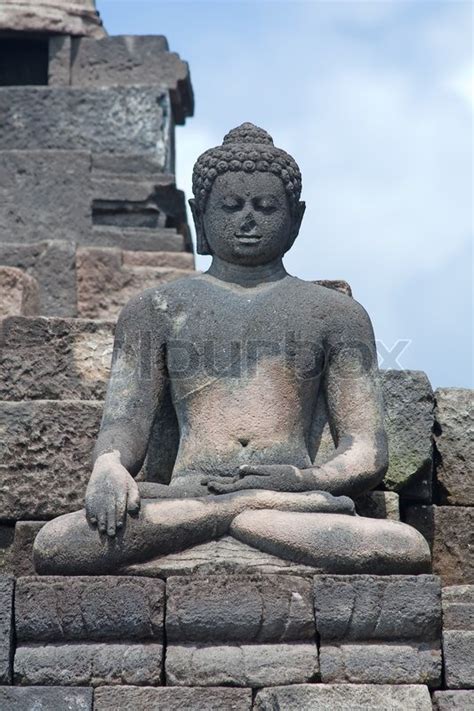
248	223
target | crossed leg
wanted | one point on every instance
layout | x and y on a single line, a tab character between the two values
314	528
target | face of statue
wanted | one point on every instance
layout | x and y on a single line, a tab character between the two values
247	218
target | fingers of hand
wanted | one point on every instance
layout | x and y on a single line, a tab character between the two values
133	498
247	469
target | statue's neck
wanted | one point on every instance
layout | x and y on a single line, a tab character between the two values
246	275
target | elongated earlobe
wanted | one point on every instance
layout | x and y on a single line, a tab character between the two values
202	246
297	219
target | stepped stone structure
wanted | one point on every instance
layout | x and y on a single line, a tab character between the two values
90	216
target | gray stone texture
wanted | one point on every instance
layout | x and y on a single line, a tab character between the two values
54	358
133	118
409	403
22	549
19	293
75	17
46	456
52	698
381	663
339	697
454	439
98	609
139	239
51	263
458	607
88	664
240	665
6	544
450	532
379	504
126	698
458	654
240	608
371	607
6	628
46	194
105	283
453	701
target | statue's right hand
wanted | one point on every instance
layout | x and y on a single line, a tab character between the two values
111	493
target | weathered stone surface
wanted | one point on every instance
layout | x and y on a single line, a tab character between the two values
113	119
54	359
371	607
131	60
105	283
19	293
453	701
384	663
73	17
89	663
38	185
458	653
232	608
6	628
46	698
132	238
454	439
22	551
50	609
458	607
450	532
409	404
125	698
59	64
240	665
52	264
226	556
46	456
6	545
168	260
336	697
379	504
337	284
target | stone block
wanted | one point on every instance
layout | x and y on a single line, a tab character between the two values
339	697
57	609
88	664
105	284
53	265
381	663
132	238
45	698
54	359
373	607
46	456
409	403
125	698
132	60
168	260
22	551
240	665
453	701
45	194
59	64
450	532
454	439
76	17
458	607
6	628
232	608
19	293
379	504
458	654
103	120
6	546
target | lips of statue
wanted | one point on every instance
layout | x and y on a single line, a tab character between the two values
247	219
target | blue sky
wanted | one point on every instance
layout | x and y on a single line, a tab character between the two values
374	100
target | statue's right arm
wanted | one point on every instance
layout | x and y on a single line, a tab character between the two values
135	386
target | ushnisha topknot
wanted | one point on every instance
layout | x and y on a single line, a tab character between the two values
248	148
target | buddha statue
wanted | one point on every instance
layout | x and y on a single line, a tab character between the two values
246	350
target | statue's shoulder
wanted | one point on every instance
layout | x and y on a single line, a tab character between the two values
334	299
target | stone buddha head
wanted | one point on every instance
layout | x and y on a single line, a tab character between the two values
246	205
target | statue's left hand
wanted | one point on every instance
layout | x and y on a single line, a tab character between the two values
273	477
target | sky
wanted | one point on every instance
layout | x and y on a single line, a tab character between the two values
375	101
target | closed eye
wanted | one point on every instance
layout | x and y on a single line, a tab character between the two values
264	205
231	204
